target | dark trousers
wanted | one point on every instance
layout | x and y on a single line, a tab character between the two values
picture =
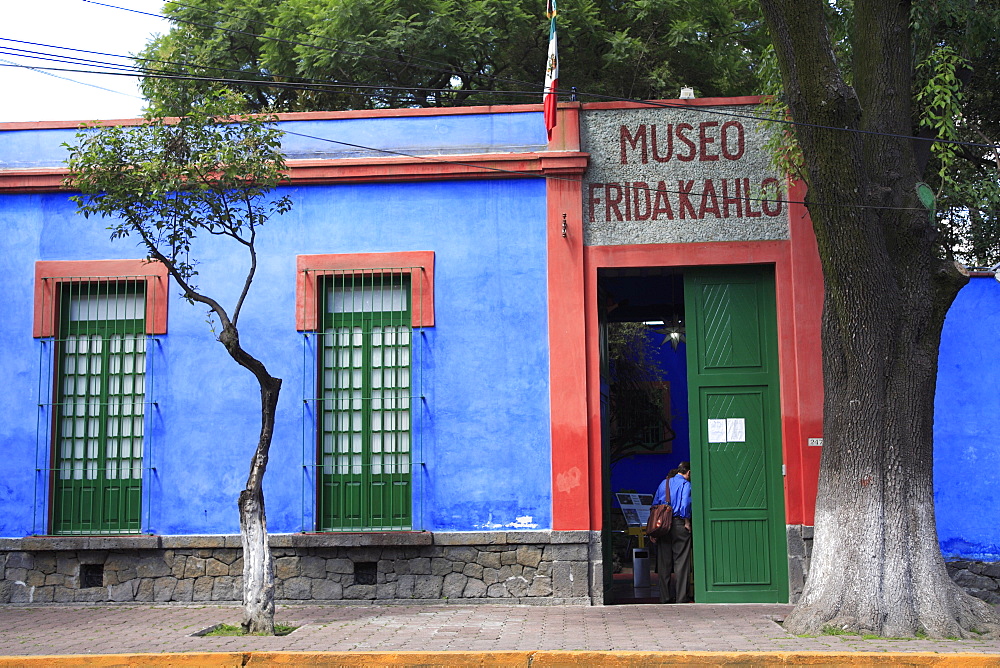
680	548
664	567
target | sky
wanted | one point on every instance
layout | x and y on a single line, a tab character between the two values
29	95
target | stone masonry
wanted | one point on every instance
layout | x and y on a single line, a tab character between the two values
534	567
979	578
800	541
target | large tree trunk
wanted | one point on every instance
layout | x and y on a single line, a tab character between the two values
876	567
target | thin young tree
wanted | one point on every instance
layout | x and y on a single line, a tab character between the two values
168	183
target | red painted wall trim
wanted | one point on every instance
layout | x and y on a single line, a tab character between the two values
566	133
417	168
807	420
418	264
573	506
49	274
363	170
38	180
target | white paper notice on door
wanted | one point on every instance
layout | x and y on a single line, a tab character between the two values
736	430
717	431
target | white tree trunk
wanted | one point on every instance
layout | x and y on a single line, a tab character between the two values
258	569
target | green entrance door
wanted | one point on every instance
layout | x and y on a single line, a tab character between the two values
739	542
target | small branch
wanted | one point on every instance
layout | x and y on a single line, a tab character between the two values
189	292
250	274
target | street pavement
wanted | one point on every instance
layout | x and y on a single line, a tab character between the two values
454	634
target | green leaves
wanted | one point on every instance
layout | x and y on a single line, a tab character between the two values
355	54
167	182
941	101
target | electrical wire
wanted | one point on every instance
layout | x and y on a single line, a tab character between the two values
346	87
488	168
133	71
6	63
566	179
450	70
393	61
353	88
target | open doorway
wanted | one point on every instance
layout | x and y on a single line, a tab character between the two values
689	372
645	427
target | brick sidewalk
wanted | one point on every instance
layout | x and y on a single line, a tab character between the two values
148	628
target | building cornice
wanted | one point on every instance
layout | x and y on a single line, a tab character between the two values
363	170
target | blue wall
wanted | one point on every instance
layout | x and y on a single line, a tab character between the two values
966	420
484	424
644	473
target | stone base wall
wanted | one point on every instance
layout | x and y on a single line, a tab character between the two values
534	567
979	578
800	544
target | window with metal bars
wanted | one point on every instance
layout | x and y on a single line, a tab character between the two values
364	447
95	333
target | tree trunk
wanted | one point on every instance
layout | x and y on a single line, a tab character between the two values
258	568
876	565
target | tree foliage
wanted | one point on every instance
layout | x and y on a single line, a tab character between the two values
172	185
956	50
954	88
309	55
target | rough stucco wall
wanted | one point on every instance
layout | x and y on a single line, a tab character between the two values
698	152
485	444
966	447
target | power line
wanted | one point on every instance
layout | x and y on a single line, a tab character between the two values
345	88
7	63
394	61
632	185
317	87
451	70
515	172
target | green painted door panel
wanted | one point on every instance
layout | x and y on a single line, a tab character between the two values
365	435
100	390
740	552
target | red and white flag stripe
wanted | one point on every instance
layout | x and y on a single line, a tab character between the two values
551	72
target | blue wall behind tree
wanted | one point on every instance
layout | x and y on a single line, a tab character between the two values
966	411
484	420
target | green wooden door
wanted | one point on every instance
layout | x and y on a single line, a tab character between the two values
739	543
97	471
364	436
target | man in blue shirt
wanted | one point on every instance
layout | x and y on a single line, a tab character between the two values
675	554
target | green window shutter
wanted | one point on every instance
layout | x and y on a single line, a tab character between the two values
100	408
364	448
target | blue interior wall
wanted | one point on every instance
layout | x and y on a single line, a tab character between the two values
966	410
484	423
644	473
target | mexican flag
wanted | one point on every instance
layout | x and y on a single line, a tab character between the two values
551	71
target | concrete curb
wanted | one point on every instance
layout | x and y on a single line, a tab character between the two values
527	659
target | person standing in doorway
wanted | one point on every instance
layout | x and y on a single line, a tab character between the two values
664	551
680	531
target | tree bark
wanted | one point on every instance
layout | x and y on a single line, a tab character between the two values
876	566
258	567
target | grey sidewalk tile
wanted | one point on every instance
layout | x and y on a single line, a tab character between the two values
109	629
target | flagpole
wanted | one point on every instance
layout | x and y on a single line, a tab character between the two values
550	97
